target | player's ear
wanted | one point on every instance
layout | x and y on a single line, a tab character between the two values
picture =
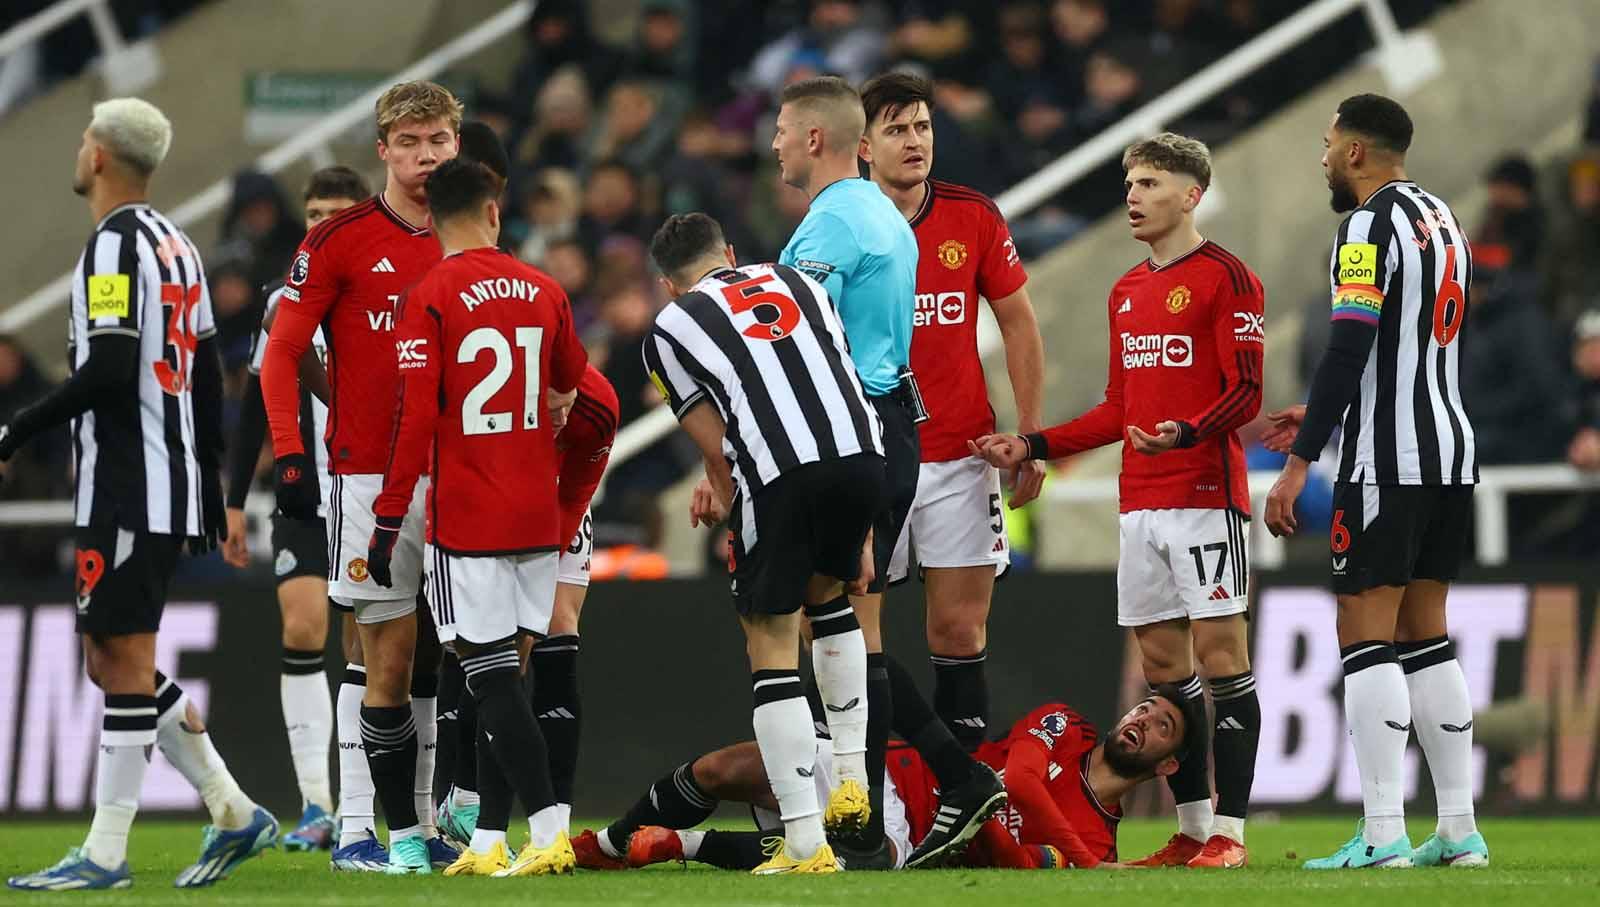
864	151
1166	767
491	213
666	284
727	252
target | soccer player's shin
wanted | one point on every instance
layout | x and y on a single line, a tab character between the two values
788	750
1233	745
513	734
1443	715
389	734
356	792
193	755
126	731
880	715
1378	711
448	705
916	723
839	660
1191	783
494	798
674	801
961	695
424	713
308	718
553	669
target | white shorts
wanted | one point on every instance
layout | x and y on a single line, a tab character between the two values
576	557
1181	563
955	521
350	527
895	826
487	599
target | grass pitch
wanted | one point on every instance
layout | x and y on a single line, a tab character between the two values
1535	861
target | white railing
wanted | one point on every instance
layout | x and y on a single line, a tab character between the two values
1406	62
127	67
312	143
1495	485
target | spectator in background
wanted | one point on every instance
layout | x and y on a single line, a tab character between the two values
38	471
547	212
564	112
1584	449
637	128
1570	271
664	51
1513	228
558	38
837	32
1079	26
259	216
950	39
612	203
236	304
1511	367
570	266
1023	74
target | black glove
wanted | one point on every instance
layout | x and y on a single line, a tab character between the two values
380	551
214	520
298	490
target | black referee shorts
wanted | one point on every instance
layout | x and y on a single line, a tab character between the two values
299	548
1389	535
902	455
122	579
812	520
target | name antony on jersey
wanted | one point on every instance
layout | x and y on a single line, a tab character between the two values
494	289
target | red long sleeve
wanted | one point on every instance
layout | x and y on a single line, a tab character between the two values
418	406
1101	425
1238	329
1027	767
291	335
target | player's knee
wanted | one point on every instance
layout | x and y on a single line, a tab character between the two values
719	772
956	631
1224	660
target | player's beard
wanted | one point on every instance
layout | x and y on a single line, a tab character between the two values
1130	765
1343	197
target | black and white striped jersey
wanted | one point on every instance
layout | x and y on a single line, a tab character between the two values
764	343
136	449
313	412
1402	263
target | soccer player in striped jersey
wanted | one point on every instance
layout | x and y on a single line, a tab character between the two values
300	563
1184	373
1401	273
145	401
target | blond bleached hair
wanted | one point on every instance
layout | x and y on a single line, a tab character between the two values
134	130
417	102
1173	153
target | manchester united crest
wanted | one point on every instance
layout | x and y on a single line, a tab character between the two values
357	571
1178	299
953	254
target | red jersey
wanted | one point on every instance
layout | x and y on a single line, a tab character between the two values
585	447
346	278
1186	346
964	251
481	338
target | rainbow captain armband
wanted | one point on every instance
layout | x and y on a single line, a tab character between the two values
1357	302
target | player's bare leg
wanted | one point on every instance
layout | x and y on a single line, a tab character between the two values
1221	646
388	728
958	601
1167	651
307	708
1442	713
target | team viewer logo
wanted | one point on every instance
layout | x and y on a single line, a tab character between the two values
952	254
357	571
1178	299
1177	350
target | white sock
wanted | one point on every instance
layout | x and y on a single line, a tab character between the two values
484	840
788	746
400	834
197	759
424	713
1443	717
691	841
1195	819
564	813
119	777
308	717
544	826
606	847
356	790
463	798
1378	710
839	661
1230	827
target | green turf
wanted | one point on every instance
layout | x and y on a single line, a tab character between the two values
1535	862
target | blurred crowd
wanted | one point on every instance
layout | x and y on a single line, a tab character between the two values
65	51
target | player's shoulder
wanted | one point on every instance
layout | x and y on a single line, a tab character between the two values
1228	266
1052	722
343	227
964	198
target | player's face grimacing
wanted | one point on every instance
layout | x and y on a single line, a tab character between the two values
1158	201
790	142
1336	166
1143	742
415	148
320	209
899	147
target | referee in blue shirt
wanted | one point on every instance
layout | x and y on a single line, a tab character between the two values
861	249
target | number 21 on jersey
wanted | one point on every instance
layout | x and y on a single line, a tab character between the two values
474	421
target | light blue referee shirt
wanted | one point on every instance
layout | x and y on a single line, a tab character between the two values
857	244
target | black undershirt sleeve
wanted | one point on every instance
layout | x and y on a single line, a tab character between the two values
1337	380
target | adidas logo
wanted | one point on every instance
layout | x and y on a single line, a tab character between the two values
383	266
1229	723
1127	306
557	713
1220	594
971	722
999	546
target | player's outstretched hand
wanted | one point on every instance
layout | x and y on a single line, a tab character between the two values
299	492
1279	437
1165	439
380	550
560	405
704	507
1003	451
858	586
1280	500
1027	480
236	548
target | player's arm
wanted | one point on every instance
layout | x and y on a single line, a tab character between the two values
421	381
311	290
691	403
313	375
1027	774
207	390
824	249
568	359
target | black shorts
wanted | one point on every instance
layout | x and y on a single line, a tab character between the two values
1389	535
122	579
902	456
811	520
299	548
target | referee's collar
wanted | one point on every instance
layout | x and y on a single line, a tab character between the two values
836	182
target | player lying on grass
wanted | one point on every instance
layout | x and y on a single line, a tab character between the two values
1065	784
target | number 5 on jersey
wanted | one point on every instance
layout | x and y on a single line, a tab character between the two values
474	421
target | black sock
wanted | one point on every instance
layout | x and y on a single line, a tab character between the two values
451	685
390	736
674	801
300	661
961	696
507	720
734	849
1192	781
494	791
467	741
880	715
1233	744
553	666
168	693
916	723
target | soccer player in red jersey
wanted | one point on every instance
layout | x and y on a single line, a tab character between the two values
955	527
486	351
345	278
1065	784
1184	375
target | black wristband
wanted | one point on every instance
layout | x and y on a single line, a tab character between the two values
1038	448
